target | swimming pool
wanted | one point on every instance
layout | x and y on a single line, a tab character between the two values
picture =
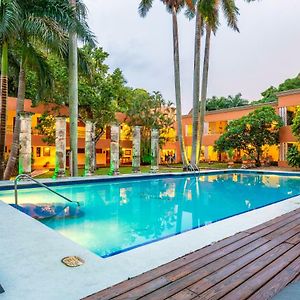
123	214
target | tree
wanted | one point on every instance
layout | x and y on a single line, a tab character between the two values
270	94
73	95
293	155
33	30
99	91
173	7
216	103
250	133
149	111
9	23
231	12
43	28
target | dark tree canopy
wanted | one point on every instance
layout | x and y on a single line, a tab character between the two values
250	133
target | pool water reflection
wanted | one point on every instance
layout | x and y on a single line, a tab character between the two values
125	214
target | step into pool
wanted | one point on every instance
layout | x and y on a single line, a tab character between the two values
119	215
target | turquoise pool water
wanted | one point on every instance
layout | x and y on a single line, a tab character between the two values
128	213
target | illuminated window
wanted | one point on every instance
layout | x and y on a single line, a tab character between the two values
46	151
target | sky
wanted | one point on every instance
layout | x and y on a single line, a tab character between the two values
264	53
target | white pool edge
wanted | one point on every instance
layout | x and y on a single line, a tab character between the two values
30	268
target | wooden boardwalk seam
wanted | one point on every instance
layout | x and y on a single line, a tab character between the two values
254	264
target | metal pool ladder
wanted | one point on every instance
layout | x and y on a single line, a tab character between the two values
40	184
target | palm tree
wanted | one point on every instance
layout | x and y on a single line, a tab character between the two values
211	21
83	32
9	22
45	29
173	7
34	31
73	96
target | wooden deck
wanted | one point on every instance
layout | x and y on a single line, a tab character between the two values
254	264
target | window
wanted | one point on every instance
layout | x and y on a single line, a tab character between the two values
188	130
38	151
46	151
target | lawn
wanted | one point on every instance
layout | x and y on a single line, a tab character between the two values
144	169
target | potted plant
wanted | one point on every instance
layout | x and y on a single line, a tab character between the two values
230	154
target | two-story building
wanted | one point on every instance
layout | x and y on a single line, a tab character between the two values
215	124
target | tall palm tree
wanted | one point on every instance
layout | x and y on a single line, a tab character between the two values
9	22
34	31
79	12
43	26
211	21
73	96
173	7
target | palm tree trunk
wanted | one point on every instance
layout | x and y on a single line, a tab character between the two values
3	103
177	89
204	84
73	97
20	107
196	89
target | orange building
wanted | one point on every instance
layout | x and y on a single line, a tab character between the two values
215	124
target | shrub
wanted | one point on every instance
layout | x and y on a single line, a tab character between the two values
293	157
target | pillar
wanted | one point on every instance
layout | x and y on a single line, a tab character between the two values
154	150
90	155
136	149
206	156
60	146
25	143
114	150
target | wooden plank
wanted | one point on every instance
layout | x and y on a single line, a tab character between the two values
282	229
205	266
255	282
208	282
294	240
288	217
183	295
280	281
220	289
127	285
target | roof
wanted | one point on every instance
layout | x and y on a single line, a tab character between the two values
289	92
245	107
41	108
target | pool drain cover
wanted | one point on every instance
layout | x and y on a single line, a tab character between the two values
72	261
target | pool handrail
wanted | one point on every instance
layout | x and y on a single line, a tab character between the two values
40	184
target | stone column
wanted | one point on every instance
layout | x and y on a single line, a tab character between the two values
90	149
114	150
136	149
206	157
154	150
60	146
25	143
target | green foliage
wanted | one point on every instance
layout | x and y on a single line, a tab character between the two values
216	103
230	153
46	128
293	156
149	111
270	94
250	133
296	124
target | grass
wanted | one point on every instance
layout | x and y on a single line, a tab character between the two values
144	169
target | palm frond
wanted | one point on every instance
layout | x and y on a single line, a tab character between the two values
37	61
231	13
144	7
